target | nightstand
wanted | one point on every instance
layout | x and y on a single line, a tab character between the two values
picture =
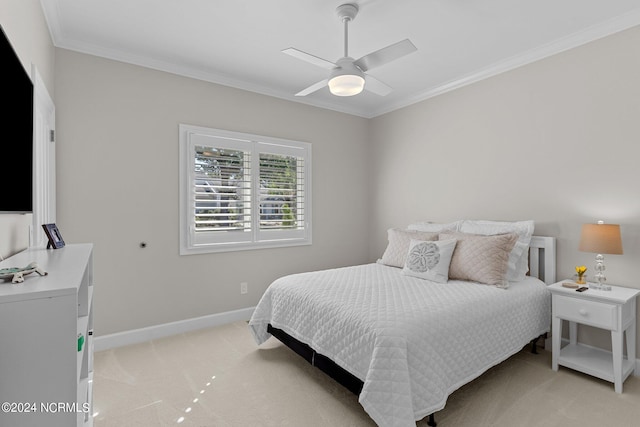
613	310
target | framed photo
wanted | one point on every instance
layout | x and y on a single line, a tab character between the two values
54	236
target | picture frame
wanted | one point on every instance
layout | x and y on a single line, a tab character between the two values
53	234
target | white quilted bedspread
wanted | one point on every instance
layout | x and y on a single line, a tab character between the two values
411	341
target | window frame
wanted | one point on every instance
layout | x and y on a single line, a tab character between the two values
237	240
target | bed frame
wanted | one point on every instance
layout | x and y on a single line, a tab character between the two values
542	264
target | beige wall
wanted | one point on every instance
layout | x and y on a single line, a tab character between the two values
556	141
117	178
24	24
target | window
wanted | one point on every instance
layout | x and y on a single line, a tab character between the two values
241	191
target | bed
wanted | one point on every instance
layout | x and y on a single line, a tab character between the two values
403	343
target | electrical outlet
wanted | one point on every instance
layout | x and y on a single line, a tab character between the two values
243	287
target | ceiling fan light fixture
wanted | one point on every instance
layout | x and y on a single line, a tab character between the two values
346	79
346	85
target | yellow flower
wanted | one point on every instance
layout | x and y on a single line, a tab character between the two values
581	269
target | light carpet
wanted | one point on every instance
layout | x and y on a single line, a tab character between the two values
220	377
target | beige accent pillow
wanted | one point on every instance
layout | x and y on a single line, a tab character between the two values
482	259
519	257
399	241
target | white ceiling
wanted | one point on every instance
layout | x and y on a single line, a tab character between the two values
238	43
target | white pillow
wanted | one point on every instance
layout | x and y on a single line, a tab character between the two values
429	259
519	256
435	227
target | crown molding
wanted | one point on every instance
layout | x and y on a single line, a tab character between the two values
593	33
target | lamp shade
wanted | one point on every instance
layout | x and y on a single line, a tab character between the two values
601	239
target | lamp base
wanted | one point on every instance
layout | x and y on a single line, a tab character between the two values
600	277
599	286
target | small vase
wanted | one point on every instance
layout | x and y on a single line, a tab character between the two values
580	280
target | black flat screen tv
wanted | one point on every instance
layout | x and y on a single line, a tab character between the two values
16	140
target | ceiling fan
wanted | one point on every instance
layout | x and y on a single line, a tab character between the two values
347	76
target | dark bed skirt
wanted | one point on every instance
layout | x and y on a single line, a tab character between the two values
326	365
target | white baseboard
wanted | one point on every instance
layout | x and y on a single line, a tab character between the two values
119	339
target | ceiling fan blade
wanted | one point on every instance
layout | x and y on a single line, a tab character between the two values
376	86
314	87
385	55
323	63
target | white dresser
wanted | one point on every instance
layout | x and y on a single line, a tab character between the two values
46	340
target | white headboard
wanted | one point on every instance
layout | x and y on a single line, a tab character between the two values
542	258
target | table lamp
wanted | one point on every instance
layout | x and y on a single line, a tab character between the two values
601	239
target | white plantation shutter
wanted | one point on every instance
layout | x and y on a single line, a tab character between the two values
241	191
282	194
222	189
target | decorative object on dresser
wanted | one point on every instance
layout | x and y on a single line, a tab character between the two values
16	274
601	239
54	236
615	311
46	340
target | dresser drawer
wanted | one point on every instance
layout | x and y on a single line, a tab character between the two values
601	315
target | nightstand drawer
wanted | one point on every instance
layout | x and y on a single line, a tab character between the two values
592	313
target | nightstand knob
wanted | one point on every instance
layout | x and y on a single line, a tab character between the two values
583	311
